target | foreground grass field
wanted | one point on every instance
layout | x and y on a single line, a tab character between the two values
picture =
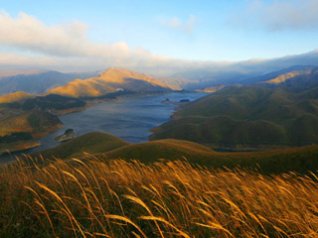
94	198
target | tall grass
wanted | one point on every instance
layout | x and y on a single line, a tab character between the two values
117	198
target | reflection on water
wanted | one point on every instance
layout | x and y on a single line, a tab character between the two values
130	118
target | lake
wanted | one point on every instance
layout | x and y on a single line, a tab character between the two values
129	117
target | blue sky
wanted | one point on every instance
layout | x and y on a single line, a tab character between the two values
203	30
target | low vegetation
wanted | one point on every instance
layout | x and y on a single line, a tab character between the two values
106	147
249	116
93	143
21	130
116	198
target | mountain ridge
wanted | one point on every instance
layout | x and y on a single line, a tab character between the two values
109	81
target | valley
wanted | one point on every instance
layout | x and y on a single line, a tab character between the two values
159	119
120	112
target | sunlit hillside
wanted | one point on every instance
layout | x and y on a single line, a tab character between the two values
112	80
285	77
14	97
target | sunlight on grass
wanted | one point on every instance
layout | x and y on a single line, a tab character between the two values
92	198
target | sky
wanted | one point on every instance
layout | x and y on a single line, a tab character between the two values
132	33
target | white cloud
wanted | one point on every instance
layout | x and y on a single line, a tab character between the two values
25	41
186	25
26	33
279	15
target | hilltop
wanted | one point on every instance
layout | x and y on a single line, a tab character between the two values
110	81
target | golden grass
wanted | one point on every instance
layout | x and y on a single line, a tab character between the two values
94	198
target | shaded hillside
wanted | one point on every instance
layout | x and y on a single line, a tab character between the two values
111	81
52	102
251	116
94	142
34	122
106	147
20	131
162	149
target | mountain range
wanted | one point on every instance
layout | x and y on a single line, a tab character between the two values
36	82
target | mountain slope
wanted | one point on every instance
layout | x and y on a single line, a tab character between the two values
110	81
14	97
20	131
94	142
36	82
162	149
107	147
251	116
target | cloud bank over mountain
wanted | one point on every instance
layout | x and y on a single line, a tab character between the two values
27	42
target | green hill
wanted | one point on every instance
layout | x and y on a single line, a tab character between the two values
248	116
301	159
161	149
93	143
106	147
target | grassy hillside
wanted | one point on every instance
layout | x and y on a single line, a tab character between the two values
168	149
248	116
94	142
19	130
14	97
110	81
274	161
107	147
34	122
95	198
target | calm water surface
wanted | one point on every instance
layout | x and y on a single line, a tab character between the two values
130	118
